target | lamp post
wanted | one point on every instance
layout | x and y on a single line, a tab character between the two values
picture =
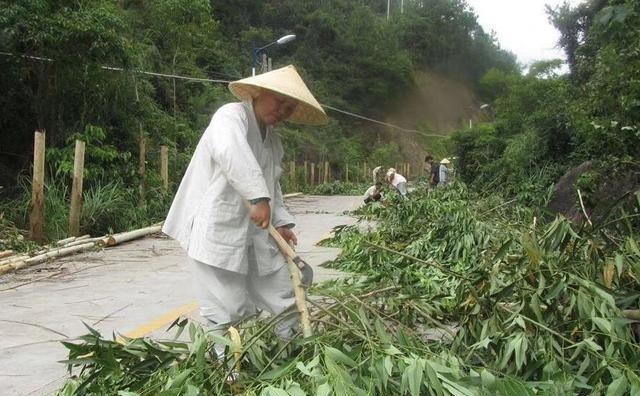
256	51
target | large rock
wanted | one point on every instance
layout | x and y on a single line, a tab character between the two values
565	197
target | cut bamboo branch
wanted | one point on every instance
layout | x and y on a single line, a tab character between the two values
6	253
80	242
44	257
115	239
14	258
65	241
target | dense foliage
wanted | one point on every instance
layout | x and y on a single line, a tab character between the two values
456	294
543	123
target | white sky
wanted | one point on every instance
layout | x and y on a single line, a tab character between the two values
521	26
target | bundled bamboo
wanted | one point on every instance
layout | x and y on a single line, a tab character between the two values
71	245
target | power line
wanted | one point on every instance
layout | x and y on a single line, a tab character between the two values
197	79
381	122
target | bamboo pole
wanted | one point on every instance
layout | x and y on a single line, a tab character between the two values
313	174
292	174
408	170
76	190
16	265
116	239
6	253
14	258
365	172
142	154
301	302
346	172
306	173
164	167
66	240
37	188
326	171
80	242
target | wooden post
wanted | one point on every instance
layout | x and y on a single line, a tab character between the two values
142	153
292	173
76	189
313	173
408	170
365	174
164	167
37	188
346	177
326	171
306	173
264	63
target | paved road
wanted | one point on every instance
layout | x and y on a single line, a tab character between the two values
134	289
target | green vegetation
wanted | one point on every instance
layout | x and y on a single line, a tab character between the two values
69	93
456	294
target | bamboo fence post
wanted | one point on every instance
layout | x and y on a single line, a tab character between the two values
164	167
365	176
326	171
347	172
408	170
76	189
313	174
292	174
306	173
37	188
142	153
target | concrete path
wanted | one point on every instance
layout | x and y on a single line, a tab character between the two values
133	289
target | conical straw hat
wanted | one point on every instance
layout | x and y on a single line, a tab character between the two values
285	81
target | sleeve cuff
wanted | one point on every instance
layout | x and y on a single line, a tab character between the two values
256	200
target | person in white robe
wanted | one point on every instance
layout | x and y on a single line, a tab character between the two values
236	265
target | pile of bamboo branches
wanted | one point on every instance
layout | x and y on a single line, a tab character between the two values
12	261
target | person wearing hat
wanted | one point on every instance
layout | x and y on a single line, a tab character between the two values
443	171
398	181
231	192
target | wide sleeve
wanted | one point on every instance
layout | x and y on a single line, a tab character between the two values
227	143
281	216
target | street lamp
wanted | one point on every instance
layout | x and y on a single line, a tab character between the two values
282	40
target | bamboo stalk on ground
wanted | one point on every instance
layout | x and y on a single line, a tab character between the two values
16	265
6	253
115	239
11	259
72	245
66	240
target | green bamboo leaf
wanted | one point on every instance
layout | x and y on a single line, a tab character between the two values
414	376
603	324
273	391
434	382
618	387
324	390
339	356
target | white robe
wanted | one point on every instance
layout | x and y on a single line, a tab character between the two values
230	164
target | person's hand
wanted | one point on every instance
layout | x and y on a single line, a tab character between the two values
260	213
288	235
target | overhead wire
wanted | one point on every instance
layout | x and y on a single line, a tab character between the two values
220	81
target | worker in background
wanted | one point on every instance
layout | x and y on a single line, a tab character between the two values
443	171
236	265
373	193
434	170
398	182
